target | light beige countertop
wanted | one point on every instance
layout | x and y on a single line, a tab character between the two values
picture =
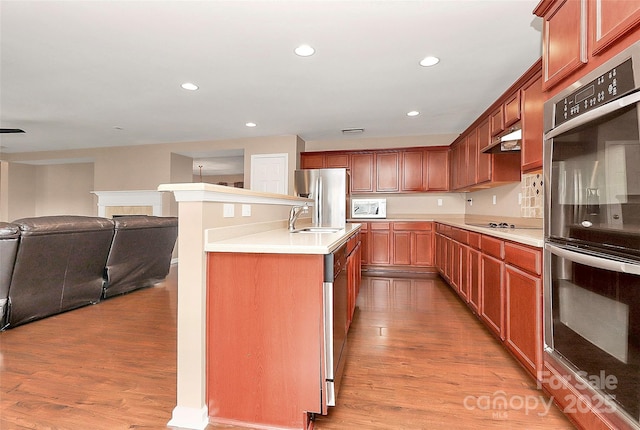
278	241
532	236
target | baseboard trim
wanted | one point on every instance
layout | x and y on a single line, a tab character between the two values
189	418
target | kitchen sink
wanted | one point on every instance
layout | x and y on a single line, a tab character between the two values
317	230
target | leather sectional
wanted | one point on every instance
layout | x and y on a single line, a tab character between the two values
53	264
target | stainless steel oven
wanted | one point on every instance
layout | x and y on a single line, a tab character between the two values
592	234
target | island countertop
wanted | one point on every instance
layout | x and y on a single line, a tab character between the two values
281	241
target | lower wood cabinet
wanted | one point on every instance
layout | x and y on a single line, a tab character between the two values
523	325
399	243
491	299
501	282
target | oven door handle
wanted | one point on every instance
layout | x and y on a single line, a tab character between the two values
594	114
591	260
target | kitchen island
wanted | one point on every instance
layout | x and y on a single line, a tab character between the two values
278	310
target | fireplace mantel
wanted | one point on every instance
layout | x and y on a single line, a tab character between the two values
151	198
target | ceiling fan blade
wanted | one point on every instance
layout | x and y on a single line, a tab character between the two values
11	130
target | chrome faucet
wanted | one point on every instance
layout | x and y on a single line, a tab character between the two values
294	213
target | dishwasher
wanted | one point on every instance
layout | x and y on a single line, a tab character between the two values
335	320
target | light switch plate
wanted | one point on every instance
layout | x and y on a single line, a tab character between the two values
439	202
246	210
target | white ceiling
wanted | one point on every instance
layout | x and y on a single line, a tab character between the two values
78	74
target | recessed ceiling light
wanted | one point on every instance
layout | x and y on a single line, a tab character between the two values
189	86
304	51
413	113
251	124
429	61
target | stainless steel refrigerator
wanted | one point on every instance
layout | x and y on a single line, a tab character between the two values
329	188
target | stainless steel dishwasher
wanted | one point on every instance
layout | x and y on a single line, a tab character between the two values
335	320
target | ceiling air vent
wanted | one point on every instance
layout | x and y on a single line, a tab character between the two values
353	131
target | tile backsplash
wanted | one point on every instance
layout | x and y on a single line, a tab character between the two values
532	192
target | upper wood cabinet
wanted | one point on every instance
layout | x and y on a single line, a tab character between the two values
532	127
321	160
363	171
497	120
402	170
512	109
579	35
483	164
387	172
412	170
609	20
437	170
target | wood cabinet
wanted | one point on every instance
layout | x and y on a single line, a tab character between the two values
322	160
364	239
483	163
491	299
512	109
387	172
579	35
436	171
408	244
363	172
380	243
524	302
497	121
532	127
402	170
501	282
354	274
412	171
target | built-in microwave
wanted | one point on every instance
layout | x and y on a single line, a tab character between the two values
369	208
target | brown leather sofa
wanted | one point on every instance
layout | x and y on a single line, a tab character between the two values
65	262
9	236
140	254
59	265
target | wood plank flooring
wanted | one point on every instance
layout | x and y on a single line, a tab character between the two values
417	359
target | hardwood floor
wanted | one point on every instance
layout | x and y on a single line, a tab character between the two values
417	359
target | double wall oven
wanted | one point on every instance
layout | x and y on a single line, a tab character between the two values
592	235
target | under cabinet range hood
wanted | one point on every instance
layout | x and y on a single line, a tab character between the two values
511	141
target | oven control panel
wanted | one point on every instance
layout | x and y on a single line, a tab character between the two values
609	86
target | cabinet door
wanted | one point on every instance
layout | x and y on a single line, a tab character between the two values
523	334
362	172
492	303
532	105
564	35
610	20
364	243
497	121
512	109
380	243
464	273
387	171
474	279
412	170
483	163
437	170
422	248
472	156
401	248
454	268
311	161
457	162
337	160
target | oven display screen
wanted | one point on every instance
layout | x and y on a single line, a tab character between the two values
606	87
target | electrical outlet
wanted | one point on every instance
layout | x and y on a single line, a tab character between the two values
494	199
246	210
439	202
470	202
519	198
228	210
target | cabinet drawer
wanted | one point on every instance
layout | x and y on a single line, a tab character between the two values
461	236
379	226
413	226
492	246
523	257
474	240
